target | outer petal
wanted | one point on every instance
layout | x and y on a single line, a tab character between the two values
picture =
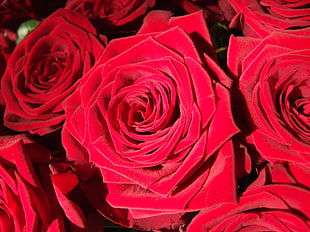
271	205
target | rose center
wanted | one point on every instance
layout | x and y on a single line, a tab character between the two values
46	74
141	110
144	108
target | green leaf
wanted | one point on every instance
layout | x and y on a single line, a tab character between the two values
220	38
25	28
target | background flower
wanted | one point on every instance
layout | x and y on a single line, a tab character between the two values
36	194
274	83
43	71
80	215
269	204
26	203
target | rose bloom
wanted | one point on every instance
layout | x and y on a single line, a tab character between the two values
154	119
260	18
43	71
27	198
105	14
275	88
277	201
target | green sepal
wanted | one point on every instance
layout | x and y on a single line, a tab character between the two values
25	28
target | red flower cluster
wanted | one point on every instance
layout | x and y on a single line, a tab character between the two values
160	116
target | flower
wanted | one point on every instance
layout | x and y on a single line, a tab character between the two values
269	204
26	203
43	71
274	82
157	124
154	115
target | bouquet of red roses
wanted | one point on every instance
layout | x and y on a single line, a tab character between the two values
152	115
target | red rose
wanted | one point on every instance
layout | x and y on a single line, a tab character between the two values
43	71
105	14
274	80
27	202
155	120
277	201
31	197
260	18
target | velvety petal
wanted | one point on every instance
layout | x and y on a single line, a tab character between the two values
79	155
272	205
269	146
193	24
238	49
72	211
299	172
155	21
226	120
